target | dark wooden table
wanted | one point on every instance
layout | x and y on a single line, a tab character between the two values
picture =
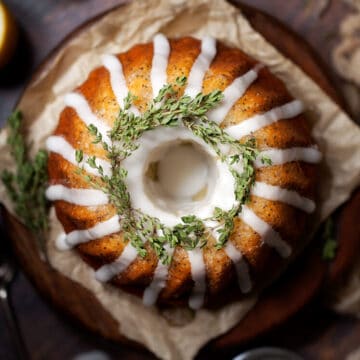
316	333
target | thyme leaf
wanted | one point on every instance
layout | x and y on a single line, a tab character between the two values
170	110
330	243
26	185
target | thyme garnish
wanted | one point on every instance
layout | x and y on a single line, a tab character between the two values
330	242
26	186
170	110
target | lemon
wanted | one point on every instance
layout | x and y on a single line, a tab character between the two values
8	35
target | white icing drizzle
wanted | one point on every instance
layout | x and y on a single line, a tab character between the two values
83	197
235	255
241	267
101	229
281	156
117	80
259	121
58	145
198	274
268	235
276	193
233	93
200	66
81	106
158	74
158	282
108	271
135	163
221	196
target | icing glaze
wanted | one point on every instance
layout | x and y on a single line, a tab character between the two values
117	80
81	106
276	193
101	229
259	121
58	145
198	274
241	267
84	197
158	74
183	171
310	155
108	271
220	193
233	93
200	66
268	235
158	282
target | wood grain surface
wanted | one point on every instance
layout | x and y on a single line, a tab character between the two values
88	312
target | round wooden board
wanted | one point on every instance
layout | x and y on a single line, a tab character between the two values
278	303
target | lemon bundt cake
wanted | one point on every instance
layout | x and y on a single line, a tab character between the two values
183	171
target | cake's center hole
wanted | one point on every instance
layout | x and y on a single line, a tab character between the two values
179	175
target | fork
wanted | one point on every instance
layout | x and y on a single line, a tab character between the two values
7	274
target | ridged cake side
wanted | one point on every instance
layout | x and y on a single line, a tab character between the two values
292	170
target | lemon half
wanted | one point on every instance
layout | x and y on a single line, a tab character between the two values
8	35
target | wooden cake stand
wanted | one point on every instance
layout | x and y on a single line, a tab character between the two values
278	303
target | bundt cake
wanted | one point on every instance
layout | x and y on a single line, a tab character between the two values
173	176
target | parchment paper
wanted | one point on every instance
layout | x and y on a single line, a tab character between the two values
346	59
41	103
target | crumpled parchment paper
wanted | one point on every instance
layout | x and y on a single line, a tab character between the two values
115	32
346	56
346	59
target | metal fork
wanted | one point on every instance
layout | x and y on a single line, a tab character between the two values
7	274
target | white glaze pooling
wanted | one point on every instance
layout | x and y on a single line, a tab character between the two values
76	237
183	171
58	145
200	66
108	271
198	274
81	106
268	235
259	121
222	194
276	193
158	75
158	282
117	80
233	93
82	197
241	267
309	155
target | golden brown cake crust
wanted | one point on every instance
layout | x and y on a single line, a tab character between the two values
264	94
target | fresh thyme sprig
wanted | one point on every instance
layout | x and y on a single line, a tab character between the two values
330	243
26	186
166	109
170	110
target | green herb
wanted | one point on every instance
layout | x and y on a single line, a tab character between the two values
79	155
26	186
330	245
244	153
165	110
170	110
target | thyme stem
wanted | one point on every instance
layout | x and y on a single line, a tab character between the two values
170	110
26	186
